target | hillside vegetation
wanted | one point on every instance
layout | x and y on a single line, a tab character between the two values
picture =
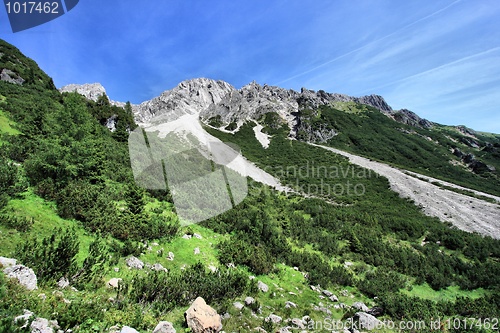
438	152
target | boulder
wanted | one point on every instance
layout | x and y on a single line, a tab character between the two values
186	236
274	319
39	325
164	327
201	318
7	262
128	329
238	306
63	283
24	275
170	256
134	262
360	306
333	298
289	304
158	268
249	300
327	293
367	321
262	287
113	283
298	323
42	325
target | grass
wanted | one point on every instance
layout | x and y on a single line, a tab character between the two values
6	125
44	215
449	294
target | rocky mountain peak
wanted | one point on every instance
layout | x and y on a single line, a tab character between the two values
377	102
411	118
91	91
190	96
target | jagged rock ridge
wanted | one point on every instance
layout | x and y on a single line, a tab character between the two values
219	100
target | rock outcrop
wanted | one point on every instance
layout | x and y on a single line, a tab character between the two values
410	118
24	275
164	327
91	91
201	318
134	262
11	77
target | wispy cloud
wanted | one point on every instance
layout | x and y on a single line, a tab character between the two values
367	45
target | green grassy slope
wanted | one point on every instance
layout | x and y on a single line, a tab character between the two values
428	151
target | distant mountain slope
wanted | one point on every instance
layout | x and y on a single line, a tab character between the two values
366	125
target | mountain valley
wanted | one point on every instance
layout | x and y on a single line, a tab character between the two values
354	213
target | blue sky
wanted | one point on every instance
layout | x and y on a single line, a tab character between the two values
439	58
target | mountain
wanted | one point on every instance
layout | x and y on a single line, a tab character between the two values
352	223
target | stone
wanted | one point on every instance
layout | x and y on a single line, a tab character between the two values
201	318
114	283
134	262
212	268
128	329
158	267
24	275
262	286
63	283
367	321
42	325
298	323
164	327
249	300
170	256
289	304
186	236
327	293
196	250
7	262
333	298
361	306
274	319
238	306
195	235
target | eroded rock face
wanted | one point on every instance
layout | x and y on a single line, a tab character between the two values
189	97
201	318
11	77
